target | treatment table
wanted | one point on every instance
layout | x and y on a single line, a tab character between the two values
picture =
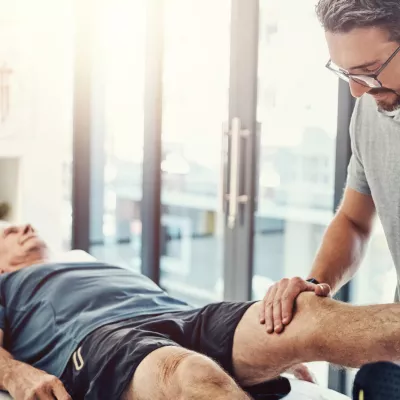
300	391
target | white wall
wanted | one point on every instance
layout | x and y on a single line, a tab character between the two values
36	43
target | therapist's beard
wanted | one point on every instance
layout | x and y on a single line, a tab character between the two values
383	105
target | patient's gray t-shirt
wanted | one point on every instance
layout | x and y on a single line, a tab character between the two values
375	167
47	310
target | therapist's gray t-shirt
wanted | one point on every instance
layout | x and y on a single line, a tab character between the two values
375	167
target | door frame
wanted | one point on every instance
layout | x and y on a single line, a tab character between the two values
239	239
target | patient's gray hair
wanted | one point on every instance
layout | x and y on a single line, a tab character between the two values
342	16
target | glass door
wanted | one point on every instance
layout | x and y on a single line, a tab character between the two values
117	156
177	76
297	109
195	105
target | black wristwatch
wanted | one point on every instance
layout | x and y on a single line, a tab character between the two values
314	281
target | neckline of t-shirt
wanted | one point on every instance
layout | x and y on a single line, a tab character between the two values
394	115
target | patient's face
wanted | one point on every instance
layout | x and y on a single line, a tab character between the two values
20	247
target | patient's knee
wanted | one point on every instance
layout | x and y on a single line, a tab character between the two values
313	305
199	370
310	320
169	367
198	377
188	369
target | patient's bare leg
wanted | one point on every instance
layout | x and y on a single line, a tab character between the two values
322	330
173	373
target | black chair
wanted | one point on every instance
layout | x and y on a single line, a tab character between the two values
378	381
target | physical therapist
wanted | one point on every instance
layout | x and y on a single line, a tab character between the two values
363	37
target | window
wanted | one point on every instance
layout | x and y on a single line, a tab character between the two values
375	282
290	224
195	105
118	123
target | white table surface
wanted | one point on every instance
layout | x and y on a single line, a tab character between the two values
300	391
307	391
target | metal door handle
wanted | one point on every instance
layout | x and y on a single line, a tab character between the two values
257	167
233	173
234	197
224	184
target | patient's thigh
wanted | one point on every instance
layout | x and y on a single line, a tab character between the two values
172	373
150	380
258	356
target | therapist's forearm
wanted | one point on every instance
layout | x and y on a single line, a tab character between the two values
341	253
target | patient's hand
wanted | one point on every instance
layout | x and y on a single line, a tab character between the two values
303	373
24	382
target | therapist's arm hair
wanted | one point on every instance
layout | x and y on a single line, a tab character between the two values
345	241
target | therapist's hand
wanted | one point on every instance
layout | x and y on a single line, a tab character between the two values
278	304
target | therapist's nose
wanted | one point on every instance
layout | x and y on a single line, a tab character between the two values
358	90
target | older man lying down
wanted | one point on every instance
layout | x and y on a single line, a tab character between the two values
95	331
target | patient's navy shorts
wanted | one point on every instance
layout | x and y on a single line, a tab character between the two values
103	365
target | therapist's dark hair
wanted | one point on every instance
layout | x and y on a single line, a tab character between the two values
342	16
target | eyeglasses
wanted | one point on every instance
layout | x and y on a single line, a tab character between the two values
369	80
